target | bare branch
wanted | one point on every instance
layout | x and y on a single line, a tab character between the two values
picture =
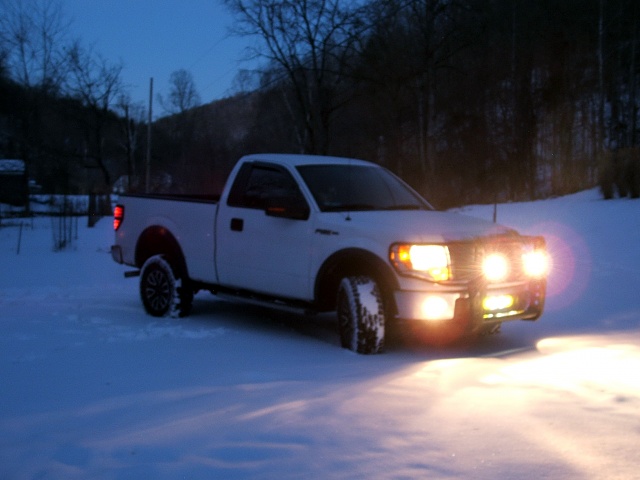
34	34
183	95
93	79
309	41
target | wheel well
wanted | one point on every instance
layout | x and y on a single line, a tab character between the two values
158	240
350	262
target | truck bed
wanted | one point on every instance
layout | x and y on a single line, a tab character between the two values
180	197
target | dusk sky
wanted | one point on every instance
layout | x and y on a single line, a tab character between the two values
156	38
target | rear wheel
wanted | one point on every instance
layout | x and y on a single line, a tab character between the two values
162	292
361	315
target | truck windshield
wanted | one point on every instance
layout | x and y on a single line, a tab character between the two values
338	188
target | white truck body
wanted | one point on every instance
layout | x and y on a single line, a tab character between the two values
278	235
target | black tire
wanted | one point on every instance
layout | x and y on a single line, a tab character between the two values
162	293
361	315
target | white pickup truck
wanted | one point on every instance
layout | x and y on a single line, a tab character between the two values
324	234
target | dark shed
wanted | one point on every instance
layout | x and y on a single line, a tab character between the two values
14	187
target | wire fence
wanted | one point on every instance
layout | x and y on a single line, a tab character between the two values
65	212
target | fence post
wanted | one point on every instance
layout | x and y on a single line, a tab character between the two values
19	238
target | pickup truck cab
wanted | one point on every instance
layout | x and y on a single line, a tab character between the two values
322	234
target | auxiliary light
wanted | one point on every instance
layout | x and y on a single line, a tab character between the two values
495	267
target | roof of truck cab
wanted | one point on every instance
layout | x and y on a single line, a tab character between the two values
296	160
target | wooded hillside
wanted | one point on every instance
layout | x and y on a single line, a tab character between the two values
468	100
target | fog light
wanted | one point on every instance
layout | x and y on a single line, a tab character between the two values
437	308
496	303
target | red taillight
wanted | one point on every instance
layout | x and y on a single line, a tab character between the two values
118	216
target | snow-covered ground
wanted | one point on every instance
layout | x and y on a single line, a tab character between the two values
92	387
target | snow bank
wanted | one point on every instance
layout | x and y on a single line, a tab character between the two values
94	388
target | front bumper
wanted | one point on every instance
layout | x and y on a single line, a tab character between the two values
476	305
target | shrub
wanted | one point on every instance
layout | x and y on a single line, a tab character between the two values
620	172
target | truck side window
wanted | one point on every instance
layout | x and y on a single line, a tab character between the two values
257	184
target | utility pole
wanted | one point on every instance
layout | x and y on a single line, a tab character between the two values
148	169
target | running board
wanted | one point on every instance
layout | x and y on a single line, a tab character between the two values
296	308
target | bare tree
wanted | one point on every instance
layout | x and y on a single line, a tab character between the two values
34	35
181	125
183	95
97	85
132	115
309	41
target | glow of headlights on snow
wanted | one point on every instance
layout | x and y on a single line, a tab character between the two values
590	366
535	263
495	267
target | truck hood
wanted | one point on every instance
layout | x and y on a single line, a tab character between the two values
419	226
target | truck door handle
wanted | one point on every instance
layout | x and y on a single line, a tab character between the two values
237	224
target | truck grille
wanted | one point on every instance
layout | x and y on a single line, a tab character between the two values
467	258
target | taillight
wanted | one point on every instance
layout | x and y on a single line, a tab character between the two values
118	216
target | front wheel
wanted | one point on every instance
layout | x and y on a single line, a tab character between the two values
161	292
361	315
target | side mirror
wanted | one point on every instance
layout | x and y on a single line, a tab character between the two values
294	208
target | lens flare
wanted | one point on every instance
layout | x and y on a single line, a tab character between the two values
535	263
570	264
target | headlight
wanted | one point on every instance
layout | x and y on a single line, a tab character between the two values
495	267
429	261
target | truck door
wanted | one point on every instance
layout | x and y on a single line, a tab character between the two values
266	253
